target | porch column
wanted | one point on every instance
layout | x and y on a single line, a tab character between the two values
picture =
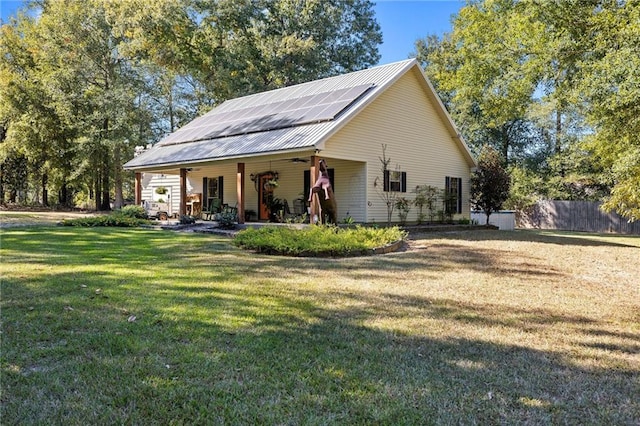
183	192
240	192
314	167
138	189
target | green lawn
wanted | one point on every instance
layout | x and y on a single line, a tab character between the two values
131	326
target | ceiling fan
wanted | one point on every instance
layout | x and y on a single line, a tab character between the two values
298	160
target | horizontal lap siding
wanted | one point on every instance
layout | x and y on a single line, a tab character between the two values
229	184
403	118
172	182
349	175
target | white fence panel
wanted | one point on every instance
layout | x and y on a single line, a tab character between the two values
505	220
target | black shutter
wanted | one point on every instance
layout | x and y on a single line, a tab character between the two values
447	194
403	184
386	181
459	195
307	184
221	188
331	174
205	196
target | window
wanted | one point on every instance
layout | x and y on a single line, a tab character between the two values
395	181
453	195
212	188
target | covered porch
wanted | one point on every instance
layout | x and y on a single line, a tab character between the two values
268	188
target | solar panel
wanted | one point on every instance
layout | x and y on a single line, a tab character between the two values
297	111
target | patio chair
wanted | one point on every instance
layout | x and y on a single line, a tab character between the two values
213	207
227	209
286	212
298	207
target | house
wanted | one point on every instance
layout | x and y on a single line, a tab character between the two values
249	150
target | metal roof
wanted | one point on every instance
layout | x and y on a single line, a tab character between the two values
279	120
262	117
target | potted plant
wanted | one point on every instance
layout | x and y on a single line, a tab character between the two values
275	208
271	184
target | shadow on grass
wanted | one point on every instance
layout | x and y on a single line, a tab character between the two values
303	364
540	236
216	339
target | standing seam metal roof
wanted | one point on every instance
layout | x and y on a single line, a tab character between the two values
175	150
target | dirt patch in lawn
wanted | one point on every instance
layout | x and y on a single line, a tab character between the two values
14	218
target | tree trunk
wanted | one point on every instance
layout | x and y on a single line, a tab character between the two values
105	205
117	177
45	194
558	147
64	195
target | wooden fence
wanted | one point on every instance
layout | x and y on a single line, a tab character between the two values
575	216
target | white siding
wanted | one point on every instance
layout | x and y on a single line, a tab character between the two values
152	181
405	119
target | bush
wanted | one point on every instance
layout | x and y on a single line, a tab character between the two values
318	240
404	206
116	219
186	219
134	211
226	220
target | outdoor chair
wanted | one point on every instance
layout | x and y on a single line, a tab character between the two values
213	206
298	207
286	212
226	209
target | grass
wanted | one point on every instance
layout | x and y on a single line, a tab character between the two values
109	325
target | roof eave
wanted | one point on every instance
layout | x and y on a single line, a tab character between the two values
196	163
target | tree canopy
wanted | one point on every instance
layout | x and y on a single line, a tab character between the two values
552	86
83	83
490	182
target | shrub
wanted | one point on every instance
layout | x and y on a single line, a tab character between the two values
116	219
134	211
226	220
186	219
317	240
404	206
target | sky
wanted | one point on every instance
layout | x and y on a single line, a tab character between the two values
401	21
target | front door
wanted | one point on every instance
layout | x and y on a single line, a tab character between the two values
265	193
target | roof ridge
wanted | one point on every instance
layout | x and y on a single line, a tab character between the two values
317	82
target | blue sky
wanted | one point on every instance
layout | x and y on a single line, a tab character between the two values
402	22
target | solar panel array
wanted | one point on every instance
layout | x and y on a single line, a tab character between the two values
270	116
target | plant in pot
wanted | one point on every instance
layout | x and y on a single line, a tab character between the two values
276	207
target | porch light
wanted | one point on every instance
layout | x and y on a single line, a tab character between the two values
252	177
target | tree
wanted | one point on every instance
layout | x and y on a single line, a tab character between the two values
489	183
231	48
610	88
83	83
477	70
542	81
388	193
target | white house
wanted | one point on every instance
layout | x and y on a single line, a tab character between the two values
234	151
